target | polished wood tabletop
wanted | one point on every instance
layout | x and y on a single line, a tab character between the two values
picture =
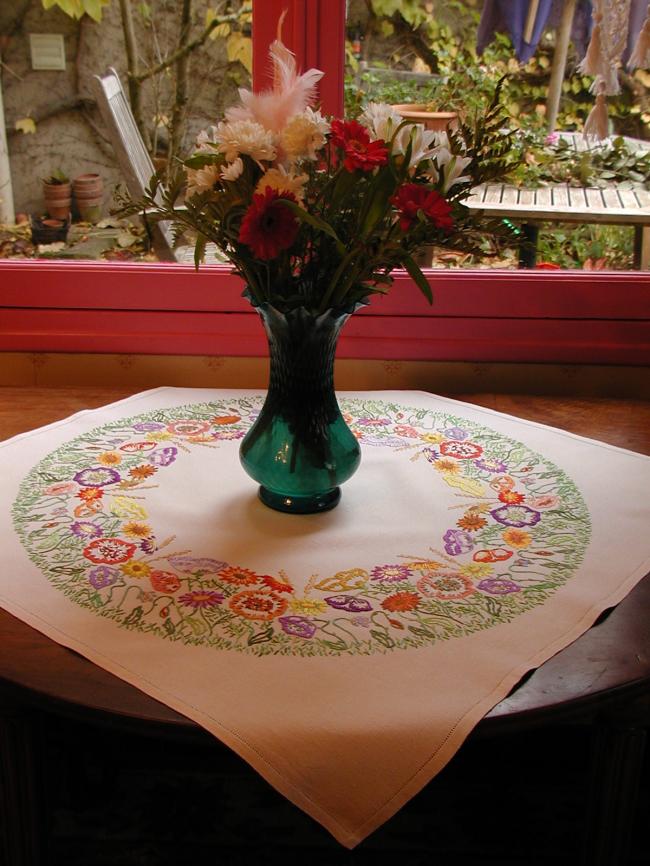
611	660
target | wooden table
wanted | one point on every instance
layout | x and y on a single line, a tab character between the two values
602	679
561	202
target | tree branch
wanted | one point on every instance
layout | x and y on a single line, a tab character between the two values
72	103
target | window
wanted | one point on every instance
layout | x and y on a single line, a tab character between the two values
562	316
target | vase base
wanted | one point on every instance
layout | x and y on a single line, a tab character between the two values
301	504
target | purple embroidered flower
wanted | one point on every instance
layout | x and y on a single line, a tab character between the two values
86	529
148	426
491	464
200	598
373	422
361	621
192	564
349	602
163	456
456	433
516	515
390	573
102	576
457	541
97	476
386	441
148	544
431	454
297	626
499	585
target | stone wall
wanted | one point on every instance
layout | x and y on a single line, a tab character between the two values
69	132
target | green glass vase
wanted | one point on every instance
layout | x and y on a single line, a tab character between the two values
299	449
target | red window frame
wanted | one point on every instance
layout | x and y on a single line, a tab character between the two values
560	316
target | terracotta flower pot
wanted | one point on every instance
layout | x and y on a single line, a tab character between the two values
88	191
435	120
58	199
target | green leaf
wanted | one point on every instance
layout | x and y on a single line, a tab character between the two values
418	278
314	221
199	250
261	636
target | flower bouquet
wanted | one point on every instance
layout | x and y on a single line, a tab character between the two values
315	213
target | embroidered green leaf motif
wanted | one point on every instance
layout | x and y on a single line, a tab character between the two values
261	636
493	607
196	625
422	632
169	626
336	645
466	485
383	638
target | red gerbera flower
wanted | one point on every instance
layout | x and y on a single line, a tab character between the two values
411	198
354	141
268	226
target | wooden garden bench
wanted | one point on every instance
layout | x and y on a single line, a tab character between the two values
561	202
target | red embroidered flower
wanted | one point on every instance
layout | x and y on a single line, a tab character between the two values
401	601
411	198
360	153
268	226
511	497
164	581
109	551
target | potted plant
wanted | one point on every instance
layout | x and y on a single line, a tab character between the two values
57	193
89	195
422	112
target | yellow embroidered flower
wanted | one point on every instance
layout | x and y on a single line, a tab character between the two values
353	578
432	438
476	569
136	569
447	466
308	606
160	436
424	565
109	458
137	530
516	537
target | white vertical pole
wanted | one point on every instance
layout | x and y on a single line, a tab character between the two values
6	191
559	62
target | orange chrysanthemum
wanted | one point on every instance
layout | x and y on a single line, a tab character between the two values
511	497
447	465
142	472
471	522
238	576
516	537
90	494
401	601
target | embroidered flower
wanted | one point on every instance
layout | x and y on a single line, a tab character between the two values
188	427
220	420
110	458
196	565
476	569
359	152
432	438
511	497
136	568
297	626
164	581
86	529
499	554
238	576
471	522
202	598
60	488
457	541
457	433
109	551
490	464
349	602
406	430
275	584
138	447
309	606
447	466
499	586
97	476
90	494
518	538
102	576
139	473
136	529
390	573
516	515
258	604
401	601
461	450
229	434
163	456
543	501
373	422
446	585
268	227
148	545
